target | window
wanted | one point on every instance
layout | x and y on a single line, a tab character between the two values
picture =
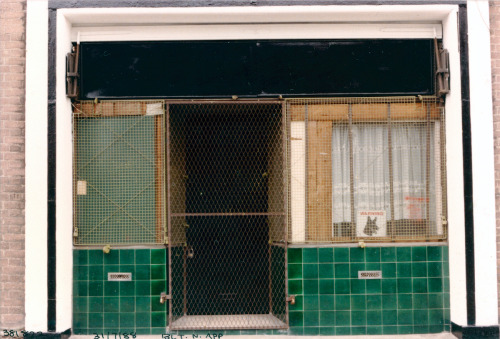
366	169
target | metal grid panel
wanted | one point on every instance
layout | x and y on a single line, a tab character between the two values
227	220
118	172
367	169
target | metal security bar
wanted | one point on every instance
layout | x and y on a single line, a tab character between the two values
118	171
367	169
226	179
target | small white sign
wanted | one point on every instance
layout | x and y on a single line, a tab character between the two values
119	276
371	224
414	207
369	274
81	187
154	109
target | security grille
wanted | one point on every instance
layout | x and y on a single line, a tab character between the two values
367	169
119	172
226	214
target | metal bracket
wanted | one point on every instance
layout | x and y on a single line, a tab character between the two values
72	74
164	297
291	299
443	69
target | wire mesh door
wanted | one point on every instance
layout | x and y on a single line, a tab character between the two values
227	223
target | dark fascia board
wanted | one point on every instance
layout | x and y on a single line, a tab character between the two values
56	4
473	332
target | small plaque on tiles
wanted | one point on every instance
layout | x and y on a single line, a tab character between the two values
369	274
119	276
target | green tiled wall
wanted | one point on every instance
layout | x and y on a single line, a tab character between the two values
411	297
127	306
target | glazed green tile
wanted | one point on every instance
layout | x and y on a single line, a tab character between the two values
310	255
142	272
326	302
127	319
419	285
128	269
296	318
405	329
389	301
343	330
434	253
95	257
419	253
446	284
405	317
358	330
80	257
311	286
357	254
373	254
96	289
374	317
127	288
83	331
311	331
96	272
111	288
389	317
158	286
158	256
111	304
374	330
405	301
325	254
82	273
112	258
127	304
80	320
420	317
248	332
277	332
373	286
373	266
435	300
82	289
96	319
446	300
355	267
420	329
142	288
111	320
403	270
341	270
299	304
404	285
80	304
228	332
326	286
403	254
310	271
311	302
358	318
143	304
389	330
446	270
326	318
156	306
110	269
445	251
435	269
295	255
389	286
358	302
143	319
294	271
96	304
296	330
264	332
143	257
388	270
127	257
388	254
327	331
374	302
325	271
342	286
295	287
342	302
419	269
158	319
158	272
436	317
341	254
342	318
358	286
420	301
311	318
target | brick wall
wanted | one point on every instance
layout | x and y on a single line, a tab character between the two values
495	64
12	94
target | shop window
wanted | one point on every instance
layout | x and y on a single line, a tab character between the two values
367	170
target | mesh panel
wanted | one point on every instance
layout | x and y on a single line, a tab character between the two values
226	179
369	169
119	172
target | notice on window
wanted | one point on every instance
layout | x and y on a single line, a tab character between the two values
371	224
81	187
414	207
